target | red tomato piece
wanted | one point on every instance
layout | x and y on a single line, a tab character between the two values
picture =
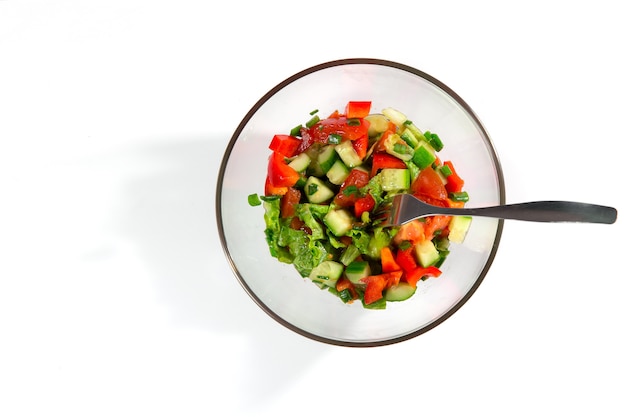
412	232
288	202
376	284
280	174
415	275
433	224
454	182
358	109
382	160
364	204
286	145
348	196
347	129
429	187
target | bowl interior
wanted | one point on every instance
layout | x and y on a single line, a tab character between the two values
277	288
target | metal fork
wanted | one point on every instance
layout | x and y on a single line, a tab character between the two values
403	208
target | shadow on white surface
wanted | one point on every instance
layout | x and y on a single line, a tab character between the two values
168	215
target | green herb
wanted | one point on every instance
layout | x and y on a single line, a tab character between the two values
312	189
254	200
401	148
350	190
405	244
353	122
312	121
334	139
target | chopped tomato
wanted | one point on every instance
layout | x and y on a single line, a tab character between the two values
344	283
358	109
432	224
280	174
376	284
348	192
415	275
380	145
412	232
382	160
349	129
454	182
271	190
388	261
429	187
285	145
364	204
289	201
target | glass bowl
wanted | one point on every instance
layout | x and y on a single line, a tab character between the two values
296	302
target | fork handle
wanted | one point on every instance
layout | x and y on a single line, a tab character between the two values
543	211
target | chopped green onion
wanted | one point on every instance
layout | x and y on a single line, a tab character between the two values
401	149
433	140
334	139
353	122
405	244
459	196
445	170
254	200
295	131
313	120
350	190
313	112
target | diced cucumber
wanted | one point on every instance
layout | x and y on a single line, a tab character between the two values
459	225
327	157
414	129
358	270
395	179
394	145
396	117
314	167
327	273
316	191
338	173
339	221
300	162
378	124
424	155
426	253
347	154
400	292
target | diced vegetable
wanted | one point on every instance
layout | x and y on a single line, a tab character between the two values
326	179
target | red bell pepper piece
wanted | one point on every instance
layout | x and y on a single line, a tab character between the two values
358	109
286	145
360	146
364	204
382	160
388	261
416	274
348	196
406	258
271	190
289	201
280	174
455	182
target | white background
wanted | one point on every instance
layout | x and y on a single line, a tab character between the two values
115	295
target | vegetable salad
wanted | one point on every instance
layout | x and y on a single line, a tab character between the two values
327	177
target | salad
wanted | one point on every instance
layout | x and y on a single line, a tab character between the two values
327	177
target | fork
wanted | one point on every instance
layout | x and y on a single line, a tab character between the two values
403	208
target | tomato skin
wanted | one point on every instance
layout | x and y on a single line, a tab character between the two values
376	284
364	204
382	160
429	187
288	202
434	223
358	109
357	178
286	145
339	126
279	173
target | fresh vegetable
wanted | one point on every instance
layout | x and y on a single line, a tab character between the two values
325	180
